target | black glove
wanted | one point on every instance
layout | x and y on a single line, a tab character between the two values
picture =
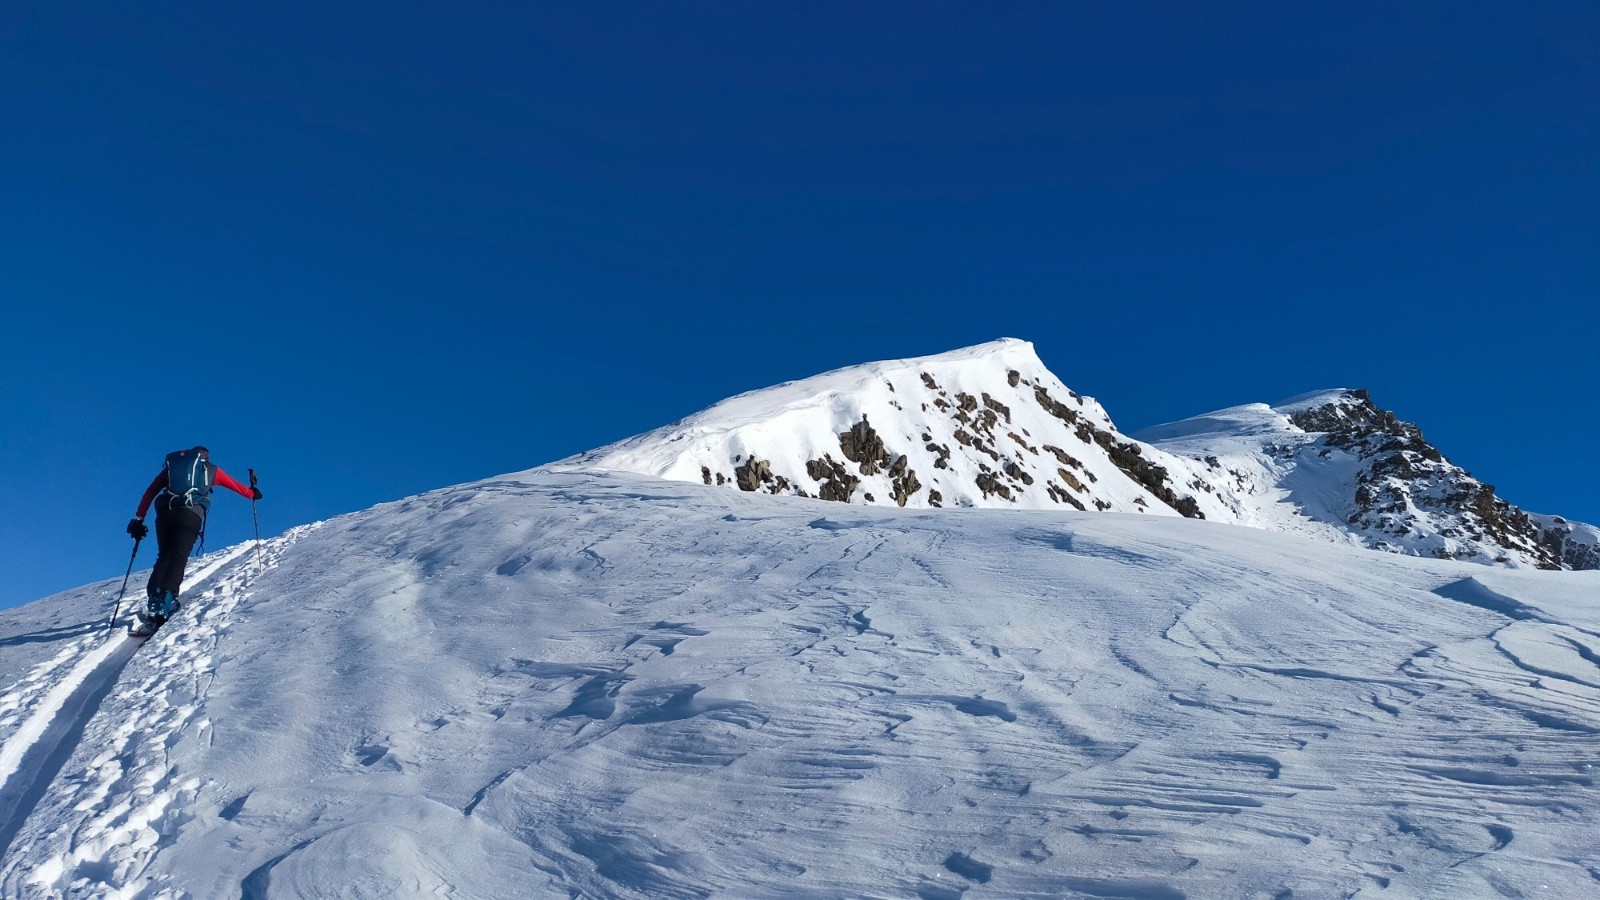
137	529
255	493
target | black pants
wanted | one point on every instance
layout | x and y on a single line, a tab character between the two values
176	532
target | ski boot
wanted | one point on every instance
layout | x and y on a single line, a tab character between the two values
158	609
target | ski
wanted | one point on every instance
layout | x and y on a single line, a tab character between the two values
134	628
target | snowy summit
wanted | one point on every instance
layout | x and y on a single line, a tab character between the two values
929	628
987	426
990	426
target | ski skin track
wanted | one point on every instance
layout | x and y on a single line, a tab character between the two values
33	758
42	758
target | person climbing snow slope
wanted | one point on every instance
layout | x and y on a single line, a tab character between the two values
181	492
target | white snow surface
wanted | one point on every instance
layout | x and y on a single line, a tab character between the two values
563	683
1265	470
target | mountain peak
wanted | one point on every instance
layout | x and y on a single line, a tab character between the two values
990	426
1325	397
1336	458
983	426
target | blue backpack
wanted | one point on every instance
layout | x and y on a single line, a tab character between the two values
190	475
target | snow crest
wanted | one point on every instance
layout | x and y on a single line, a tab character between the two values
987	426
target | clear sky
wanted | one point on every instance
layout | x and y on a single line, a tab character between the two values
374	249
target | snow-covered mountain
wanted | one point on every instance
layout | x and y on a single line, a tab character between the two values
585	680
990	426
1333	462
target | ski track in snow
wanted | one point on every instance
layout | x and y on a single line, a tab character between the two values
127	795
564	685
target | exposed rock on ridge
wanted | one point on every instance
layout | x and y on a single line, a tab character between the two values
1404	478
1336	460
986	426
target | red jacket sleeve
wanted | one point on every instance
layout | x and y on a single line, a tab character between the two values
226	480
150	492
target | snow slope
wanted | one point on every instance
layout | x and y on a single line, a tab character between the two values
1269	471
570	684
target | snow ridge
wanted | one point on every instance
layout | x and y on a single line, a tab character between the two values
990	427
1336	463
987	426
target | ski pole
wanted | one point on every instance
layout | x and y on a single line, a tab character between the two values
117	611
256	517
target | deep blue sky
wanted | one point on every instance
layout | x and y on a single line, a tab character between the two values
373	249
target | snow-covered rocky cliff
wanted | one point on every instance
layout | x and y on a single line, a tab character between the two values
989	426
1334	463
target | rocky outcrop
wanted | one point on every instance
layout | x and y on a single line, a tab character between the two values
834	480
1574	545
756	474
862	446
1406	487
1124	453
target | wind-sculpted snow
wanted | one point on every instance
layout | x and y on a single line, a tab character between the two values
608	686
